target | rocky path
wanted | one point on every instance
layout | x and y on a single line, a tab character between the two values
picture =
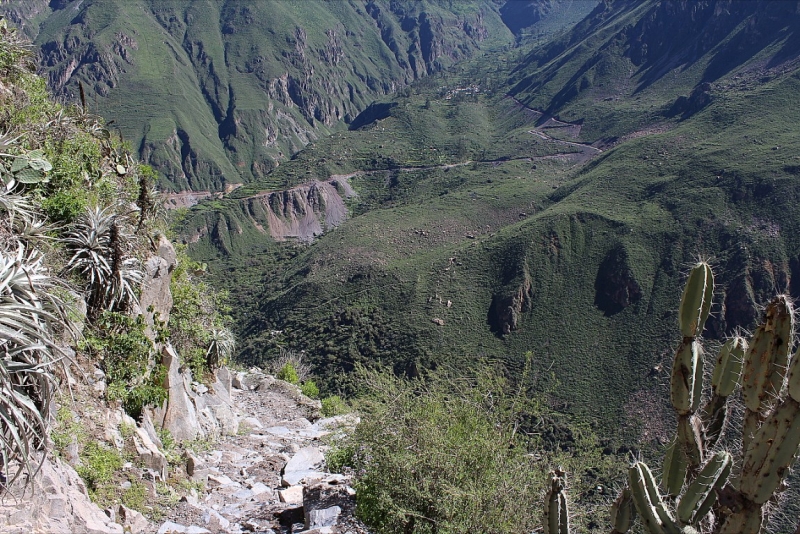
270	477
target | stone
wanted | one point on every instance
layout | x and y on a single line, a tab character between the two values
292	478
168	527
243	494
57	503
259	487
253	422
148	426
193	462
165	250
148	453
191	500
323	517
178	415
155	301
132	520
324	503
224	379
291	495
237	381
215	521
306	458
219	480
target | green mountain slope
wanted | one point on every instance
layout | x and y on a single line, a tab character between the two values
215	93
482	227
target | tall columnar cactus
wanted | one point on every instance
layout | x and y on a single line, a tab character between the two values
556	512
701	494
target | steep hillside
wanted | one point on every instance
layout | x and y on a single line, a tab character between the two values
484	227
214	93
631	63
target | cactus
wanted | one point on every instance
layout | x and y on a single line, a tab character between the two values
556	513
623	512
693	474
723	382
30	168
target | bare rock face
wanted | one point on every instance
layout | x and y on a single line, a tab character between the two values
156	299
302	212
59	504
507	308
191	412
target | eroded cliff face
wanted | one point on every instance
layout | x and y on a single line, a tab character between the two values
218	94
300	213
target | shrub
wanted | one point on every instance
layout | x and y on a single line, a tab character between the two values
339	457
310	389
198	320
127	356
442	454
31	313
101	246
99	463
289	374
334	405
293	359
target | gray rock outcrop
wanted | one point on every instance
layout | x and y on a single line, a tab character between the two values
58	503
193	412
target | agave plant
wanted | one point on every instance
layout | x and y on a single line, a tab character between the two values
101	245
220	348
31	313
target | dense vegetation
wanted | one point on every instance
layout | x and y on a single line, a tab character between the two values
453	452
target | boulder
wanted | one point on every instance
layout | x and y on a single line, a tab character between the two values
291	495
133	521
192	412
215	521
224	379
155	301
307	458
324	503
58	503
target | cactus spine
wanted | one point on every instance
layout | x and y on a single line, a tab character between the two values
770	436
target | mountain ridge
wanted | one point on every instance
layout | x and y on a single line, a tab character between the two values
252	102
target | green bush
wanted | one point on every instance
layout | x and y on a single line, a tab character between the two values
442	454
334	405
310	389
289	374
450	453
127	354
199	312
98	465
339	457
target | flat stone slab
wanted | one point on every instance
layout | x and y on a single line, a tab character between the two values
305	459
291	495
294	478
176	528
